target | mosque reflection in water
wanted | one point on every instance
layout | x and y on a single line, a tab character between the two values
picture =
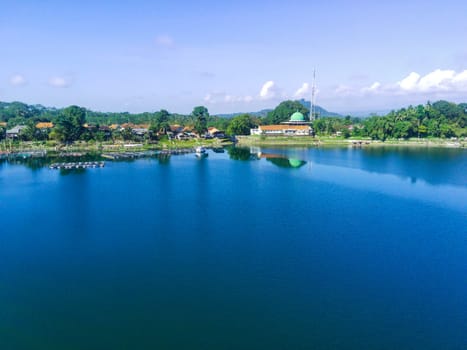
280	160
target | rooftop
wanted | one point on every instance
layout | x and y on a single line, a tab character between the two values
284	127
297	117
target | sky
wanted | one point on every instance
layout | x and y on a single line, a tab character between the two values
235	56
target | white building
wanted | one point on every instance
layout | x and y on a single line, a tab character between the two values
296	126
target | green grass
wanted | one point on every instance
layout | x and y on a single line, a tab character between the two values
341	141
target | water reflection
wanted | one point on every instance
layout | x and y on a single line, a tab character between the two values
241	153
38	162
280	160
436	166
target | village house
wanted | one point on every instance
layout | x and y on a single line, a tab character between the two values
136	129
106	131
216	133
15	132
180	132
44	126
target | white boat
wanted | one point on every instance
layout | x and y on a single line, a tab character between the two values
200	151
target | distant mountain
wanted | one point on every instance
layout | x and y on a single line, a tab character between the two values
262	113
320	111
367	114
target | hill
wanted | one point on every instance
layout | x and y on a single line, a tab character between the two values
261	114
264	112
320	111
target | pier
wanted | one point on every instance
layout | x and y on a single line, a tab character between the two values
177	151
128	155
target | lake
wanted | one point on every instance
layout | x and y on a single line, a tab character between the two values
270	249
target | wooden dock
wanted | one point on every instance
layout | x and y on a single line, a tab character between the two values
128	155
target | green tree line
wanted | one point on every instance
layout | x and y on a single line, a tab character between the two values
441	119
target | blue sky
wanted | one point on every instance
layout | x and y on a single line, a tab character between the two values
234	56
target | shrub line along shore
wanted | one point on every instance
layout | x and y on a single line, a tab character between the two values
318	141
246	141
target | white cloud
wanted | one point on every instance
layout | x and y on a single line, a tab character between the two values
165	41
461	78
268	90
60	82
374	88
222	97
435	82
409	82
18	80
343	90
376	85
303	91
207	98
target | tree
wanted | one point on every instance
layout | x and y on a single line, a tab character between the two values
284	110
69	124
240	125
402	129
29	134
160	122
422	130
200	114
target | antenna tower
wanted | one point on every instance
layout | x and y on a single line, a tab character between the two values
313	92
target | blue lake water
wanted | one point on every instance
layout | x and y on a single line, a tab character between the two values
285	249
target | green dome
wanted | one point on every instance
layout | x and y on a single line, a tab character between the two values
296	163
297	117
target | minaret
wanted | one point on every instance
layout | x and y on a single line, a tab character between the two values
313	91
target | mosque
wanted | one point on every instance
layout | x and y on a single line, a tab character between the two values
296	126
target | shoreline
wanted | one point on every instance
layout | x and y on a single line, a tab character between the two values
352	143
242	141
82	146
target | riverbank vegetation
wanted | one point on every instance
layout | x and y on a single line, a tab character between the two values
21	123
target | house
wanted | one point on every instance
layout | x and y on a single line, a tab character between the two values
15	132
127	126
136	129
176	129
182	136
44	126
180	132
140	131
214	132
106	130
90	127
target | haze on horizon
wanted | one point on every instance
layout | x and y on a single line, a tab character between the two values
241	56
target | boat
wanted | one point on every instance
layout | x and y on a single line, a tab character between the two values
200	151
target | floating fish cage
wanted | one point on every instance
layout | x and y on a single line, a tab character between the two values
77	165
